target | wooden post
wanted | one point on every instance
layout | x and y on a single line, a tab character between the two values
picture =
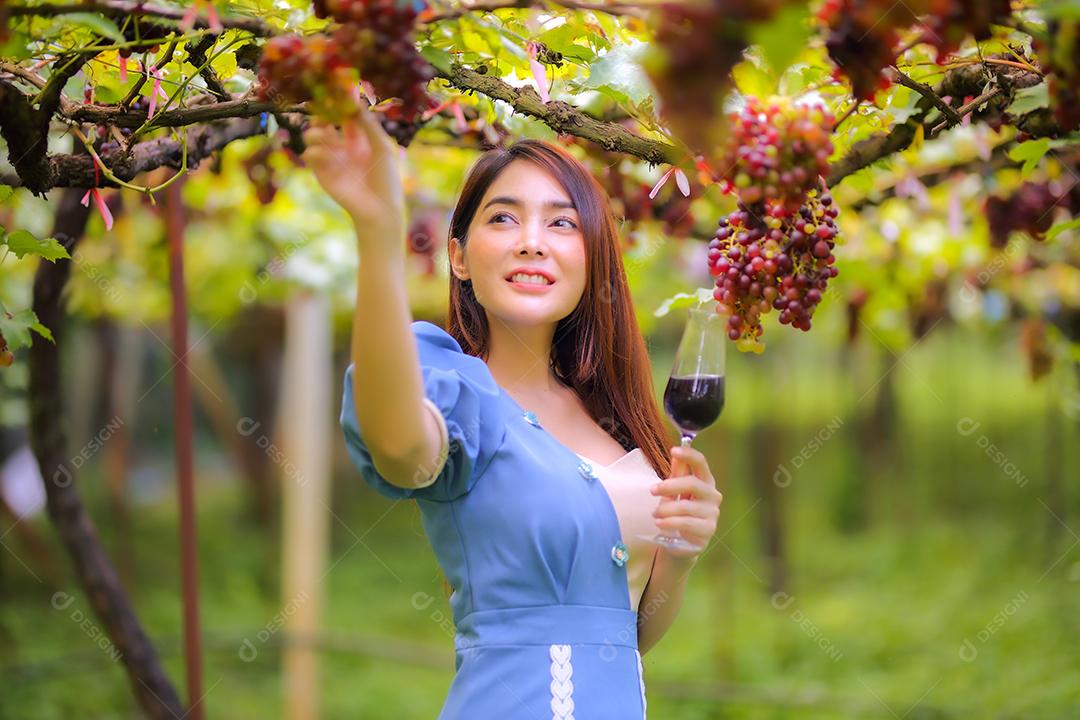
306	432
185	481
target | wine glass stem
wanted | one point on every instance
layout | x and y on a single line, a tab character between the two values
687	438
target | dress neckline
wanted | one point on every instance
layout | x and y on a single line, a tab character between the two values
613	463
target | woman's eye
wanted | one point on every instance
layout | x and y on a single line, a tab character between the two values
496	216
570	223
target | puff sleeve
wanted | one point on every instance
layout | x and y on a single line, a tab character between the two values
461	388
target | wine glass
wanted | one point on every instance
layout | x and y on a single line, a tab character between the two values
694	395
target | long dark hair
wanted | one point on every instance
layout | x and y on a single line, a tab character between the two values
598	350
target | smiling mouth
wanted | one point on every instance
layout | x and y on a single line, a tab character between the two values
526	279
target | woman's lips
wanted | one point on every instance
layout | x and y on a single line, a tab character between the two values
530	286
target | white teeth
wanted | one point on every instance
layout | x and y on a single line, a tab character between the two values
535	279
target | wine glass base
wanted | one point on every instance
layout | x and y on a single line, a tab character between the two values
676	543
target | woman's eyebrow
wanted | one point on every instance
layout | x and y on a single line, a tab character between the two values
550	205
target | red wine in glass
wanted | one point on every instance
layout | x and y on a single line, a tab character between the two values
694	403
694	396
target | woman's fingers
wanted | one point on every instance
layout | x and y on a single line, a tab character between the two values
358	140
316	140
693	508
378	141
694	530
694	460
687	485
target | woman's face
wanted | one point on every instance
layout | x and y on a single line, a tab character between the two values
525	220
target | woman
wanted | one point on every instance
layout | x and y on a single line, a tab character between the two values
528	433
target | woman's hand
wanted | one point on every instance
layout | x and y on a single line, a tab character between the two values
696	505
358	167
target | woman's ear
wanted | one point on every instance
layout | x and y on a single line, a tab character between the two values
457	260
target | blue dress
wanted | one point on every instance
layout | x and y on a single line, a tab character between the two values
530	540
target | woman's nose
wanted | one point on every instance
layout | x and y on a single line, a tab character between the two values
532	240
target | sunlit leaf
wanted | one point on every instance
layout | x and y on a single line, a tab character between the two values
16	327
783	38
22	243
98	23
752	79
1030	153
1028	99
620	70
1061	227
684	300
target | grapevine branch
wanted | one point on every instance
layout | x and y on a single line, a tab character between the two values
200	110
564	118
69	170
39	173
612	8
966	108
27	139
119	10
66	171
962	81
927	92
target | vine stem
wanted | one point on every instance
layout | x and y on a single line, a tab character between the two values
149	42
995	61
1020	59
148	191
846	115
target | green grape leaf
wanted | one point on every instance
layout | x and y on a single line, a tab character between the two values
224	65
784	37
16	327
16	46
684	300
563	40
1028	99
902	104
619	73
752	79
1030	153
98	23
22	243
438	57
1062	227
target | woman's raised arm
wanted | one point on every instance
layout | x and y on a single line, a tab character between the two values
357	166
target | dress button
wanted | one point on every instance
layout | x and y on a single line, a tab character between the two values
530	417
620	554
586	471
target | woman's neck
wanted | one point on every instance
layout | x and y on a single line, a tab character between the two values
519	359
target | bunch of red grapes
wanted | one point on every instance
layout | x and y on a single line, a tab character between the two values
1060	55
775	261
861	39
296	68
697	46
776	150
863	35
373	38
947	23
1032	208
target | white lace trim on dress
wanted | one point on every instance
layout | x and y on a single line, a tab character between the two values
562	687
